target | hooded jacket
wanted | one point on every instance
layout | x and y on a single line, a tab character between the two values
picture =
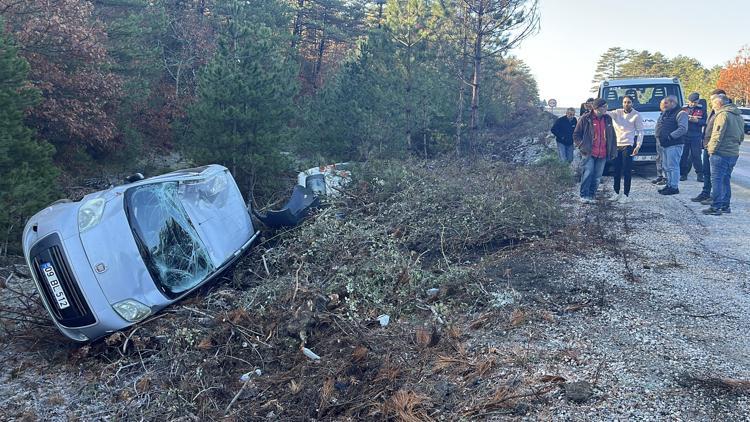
583	135
727	133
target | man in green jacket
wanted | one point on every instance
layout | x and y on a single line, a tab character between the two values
724	149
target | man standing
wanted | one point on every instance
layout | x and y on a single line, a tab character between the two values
691	154
670	131
629	129
587	106
705	196
563	131
724	149
595	136
660	176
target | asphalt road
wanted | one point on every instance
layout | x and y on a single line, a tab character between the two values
741	173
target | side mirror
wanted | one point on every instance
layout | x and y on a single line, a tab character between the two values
134	178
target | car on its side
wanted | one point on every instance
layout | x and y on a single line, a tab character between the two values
119	255
746	117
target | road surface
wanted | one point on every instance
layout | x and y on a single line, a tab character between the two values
741	173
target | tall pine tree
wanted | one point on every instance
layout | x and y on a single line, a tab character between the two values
244	101
28	175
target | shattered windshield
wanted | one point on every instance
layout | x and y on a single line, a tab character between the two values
169	244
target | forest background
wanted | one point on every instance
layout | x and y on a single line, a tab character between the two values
265	87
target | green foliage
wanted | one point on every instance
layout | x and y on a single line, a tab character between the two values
28	180
609	65
244	103
616	62
408	226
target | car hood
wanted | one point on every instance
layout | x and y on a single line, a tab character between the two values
649	121
114	258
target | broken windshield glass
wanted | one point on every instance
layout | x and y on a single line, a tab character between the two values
170	246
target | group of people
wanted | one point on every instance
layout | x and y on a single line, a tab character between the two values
685	137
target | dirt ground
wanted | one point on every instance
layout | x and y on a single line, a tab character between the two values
627	312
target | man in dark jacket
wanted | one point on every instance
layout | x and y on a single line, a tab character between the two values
595	136
586	107
705	196
670	131
563	131
691	154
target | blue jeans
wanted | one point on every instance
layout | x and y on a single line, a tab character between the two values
565	152
706	173
593	168
671	163
721	172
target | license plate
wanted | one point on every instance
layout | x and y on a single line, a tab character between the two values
644	158
54	283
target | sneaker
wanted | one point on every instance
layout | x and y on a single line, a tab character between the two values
701	196
700	178
726	210
657	180
707	201
661	182
683	178
711	211
625	199
669	191
585	200
615	197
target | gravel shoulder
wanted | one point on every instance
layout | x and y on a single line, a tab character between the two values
670	337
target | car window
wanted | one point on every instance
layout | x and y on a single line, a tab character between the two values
645	97
745	111
170	246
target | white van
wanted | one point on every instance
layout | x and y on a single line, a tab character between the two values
647	93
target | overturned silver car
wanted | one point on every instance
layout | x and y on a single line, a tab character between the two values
120	255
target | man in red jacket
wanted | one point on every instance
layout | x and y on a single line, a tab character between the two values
595	137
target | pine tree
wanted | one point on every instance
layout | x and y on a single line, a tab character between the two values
609	65
244	102
26	164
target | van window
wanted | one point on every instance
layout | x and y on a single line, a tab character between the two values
645	97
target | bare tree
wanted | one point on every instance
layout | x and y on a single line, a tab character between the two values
496	26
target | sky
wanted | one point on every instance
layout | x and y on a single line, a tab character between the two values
574	33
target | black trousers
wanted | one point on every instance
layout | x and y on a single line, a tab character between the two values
623	169
691	156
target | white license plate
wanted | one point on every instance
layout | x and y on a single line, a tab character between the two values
54	283
644	158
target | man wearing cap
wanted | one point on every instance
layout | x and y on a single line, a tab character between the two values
691	153
563	131
595	137
727	133
670	131
629	129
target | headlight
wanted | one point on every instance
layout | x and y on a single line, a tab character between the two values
90	214
131	310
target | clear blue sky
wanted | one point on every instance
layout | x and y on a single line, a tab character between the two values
563	54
